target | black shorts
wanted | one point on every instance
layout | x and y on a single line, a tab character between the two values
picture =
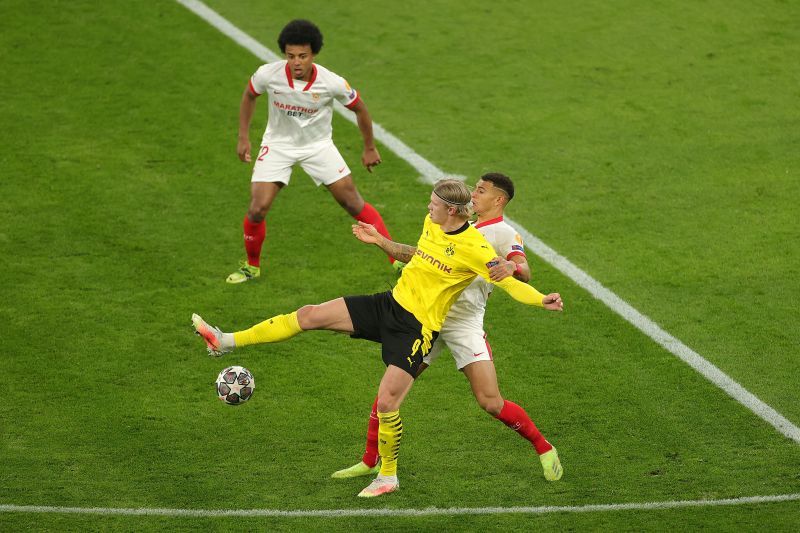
379	318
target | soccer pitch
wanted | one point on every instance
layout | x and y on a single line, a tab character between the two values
654	146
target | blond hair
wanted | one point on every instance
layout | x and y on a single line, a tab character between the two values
456	194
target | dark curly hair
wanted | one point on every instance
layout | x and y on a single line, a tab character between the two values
502	182
301	31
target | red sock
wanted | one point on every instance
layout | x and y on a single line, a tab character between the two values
254	233
370	215
517	419
371	455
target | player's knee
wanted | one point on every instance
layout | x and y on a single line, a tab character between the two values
350	201
307	317
257	212
352	206
388	403
490	403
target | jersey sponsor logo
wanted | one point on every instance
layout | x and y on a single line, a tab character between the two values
433	261
450	251
292	110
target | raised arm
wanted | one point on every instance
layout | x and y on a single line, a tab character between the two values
368	234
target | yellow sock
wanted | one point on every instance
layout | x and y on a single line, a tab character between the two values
275	329
390	431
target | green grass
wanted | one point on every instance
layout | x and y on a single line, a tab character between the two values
654	145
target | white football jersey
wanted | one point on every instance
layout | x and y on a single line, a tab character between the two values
300	112
471	304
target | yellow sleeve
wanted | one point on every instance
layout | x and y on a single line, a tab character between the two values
481	257
522	292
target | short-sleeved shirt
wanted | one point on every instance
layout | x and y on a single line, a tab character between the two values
300	112
471	305
443	266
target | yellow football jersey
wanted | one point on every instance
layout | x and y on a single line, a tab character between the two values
444	265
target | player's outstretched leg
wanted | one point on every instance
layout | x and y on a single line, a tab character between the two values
217	342
551	465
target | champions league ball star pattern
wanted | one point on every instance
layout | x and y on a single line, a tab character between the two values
235	385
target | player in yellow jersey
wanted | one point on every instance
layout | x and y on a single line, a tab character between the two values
462	332
449	254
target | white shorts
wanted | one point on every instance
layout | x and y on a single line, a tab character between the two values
467	343
322	161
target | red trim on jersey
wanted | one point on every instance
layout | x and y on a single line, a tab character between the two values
313	77
289	76
352	104
487	222
253	89
488	348
512	254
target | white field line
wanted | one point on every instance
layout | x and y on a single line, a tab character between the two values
430	511
430	173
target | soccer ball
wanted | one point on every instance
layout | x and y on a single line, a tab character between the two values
235	385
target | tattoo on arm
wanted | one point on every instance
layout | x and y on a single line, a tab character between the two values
401	252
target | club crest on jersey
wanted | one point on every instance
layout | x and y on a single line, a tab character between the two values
315	97
450	251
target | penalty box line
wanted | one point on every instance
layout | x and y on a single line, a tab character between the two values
431	173
431	511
